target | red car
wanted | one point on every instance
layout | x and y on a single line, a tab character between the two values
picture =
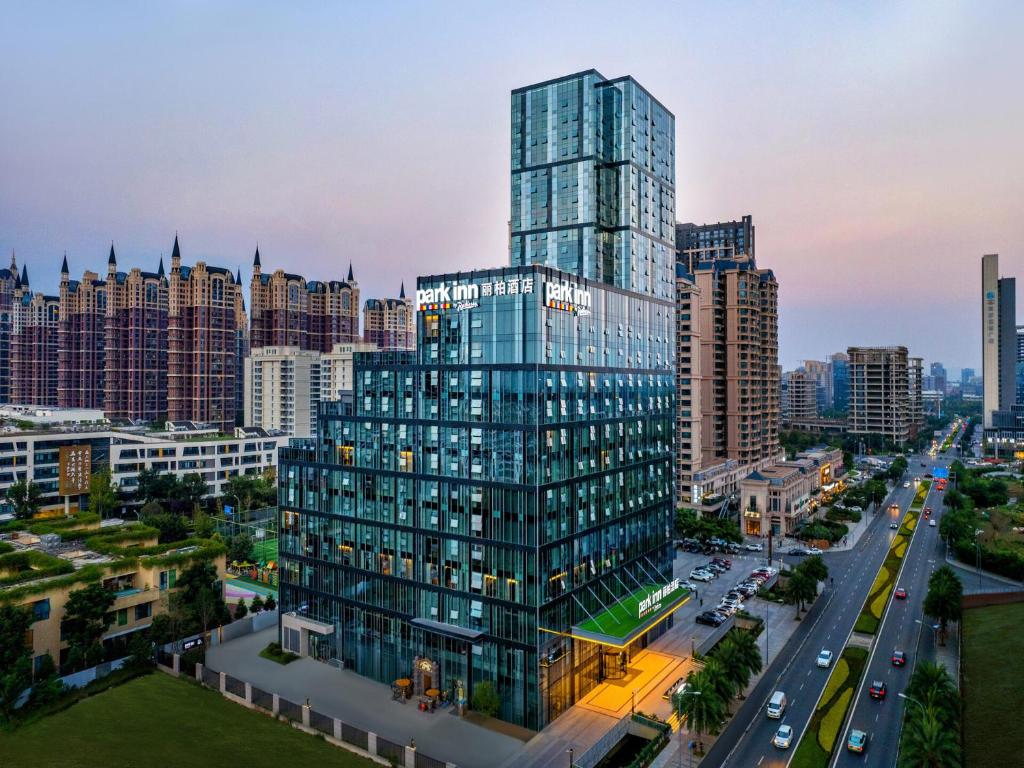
877	689
899	658
901	593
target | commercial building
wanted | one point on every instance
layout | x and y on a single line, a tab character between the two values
779	498
35	329
840	363
87	552
282	387
44	456
135	355
205	315
289	311
497	505
390	324
81	340
885	392
998	338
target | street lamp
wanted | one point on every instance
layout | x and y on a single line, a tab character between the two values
571	763
680	752
911	698
632	702
933	627
977	555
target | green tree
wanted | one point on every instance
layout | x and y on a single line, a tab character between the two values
202	525
815	568
928	742
156	486
24	497
197	599
719	680
749	650
172	527
256	605
140	651
46	686
192	489
15	656
270	603
945	591
241	611
103	499
240	548
701	704
485	698
84	623
931	684
733	663
800	589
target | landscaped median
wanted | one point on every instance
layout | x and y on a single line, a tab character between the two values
819	741
878	597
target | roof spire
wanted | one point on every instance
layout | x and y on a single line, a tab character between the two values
350	277
256	258
160	269
111	259
24	275
176	252
14	264
401	294
238	277
64	266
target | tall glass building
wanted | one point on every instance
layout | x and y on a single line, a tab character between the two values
497	505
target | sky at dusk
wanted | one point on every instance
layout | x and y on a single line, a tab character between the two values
878	146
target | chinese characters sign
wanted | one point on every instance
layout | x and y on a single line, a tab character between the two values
652	602
75	469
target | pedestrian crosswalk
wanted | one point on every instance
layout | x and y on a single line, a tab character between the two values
674	722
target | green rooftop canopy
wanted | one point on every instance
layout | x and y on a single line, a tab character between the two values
632	615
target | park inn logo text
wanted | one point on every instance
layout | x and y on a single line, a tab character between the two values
558	294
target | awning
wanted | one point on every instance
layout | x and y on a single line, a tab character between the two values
632	615
450	630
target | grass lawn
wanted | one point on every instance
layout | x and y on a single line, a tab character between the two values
623	618
993	684
157	720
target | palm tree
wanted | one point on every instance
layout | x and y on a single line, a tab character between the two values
700	704
933	687
945	592
928	742
799	589
749	650
815	568
734	667
718	679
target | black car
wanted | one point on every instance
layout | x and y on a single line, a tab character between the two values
710	618
799	551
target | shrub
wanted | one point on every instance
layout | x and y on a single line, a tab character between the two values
485	699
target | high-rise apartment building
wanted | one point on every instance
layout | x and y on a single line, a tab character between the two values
390	324
289	311
135	353
885	392
998	338
82	338
593	192
282	386
337	375
800	397
204	316
35	326
710	242
821	372
497	505
9	279
688	390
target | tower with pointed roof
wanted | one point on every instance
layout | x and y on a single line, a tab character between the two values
34	326
81	340
8	282
390	323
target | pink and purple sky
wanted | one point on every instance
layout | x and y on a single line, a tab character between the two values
877	145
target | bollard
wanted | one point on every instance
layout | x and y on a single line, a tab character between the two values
337	729
248	694
371	743
276	705
223	681
199	671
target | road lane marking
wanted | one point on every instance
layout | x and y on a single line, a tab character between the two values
762	758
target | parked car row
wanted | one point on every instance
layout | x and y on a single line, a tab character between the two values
710	547
732	601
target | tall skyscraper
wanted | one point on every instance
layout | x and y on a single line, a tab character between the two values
8	282
593	182
204	315
484	507
390	323
938	374
840	363
135	354
289	311
998	338
82	338
34	330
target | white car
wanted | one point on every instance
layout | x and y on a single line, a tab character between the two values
906	485
931	523
825	658
700	576
813	551
783	737
753	547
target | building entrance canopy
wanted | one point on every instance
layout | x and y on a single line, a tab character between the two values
630	616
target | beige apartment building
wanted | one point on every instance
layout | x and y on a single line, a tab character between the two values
336	369
799	397
282	389
885	392
776	499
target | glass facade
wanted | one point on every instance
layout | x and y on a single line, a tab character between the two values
510	478
593	181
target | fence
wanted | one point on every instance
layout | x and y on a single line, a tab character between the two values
242	627
306	718
78	679
704	646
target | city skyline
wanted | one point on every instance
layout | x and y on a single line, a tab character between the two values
310	152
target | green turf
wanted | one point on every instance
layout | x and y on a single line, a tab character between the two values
623	618
265	550
159	721
993	684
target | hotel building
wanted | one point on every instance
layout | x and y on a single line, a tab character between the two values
497	505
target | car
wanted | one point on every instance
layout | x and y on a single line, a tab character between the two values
753	547
813	551
700	576
714	567
924	465
906	485
901	593
931	523
710	619
857	741
783	737
690	586
824	658
727	564
877	690
735	594
899	658
797	551
894	526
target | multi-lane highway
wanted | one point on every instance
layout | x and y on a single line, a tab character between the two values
747	740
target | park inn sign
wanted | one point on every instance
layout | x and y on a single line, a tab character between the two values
652	602
558	294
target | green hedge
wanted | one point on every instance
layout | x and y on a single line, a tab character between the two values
30	564
831	711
